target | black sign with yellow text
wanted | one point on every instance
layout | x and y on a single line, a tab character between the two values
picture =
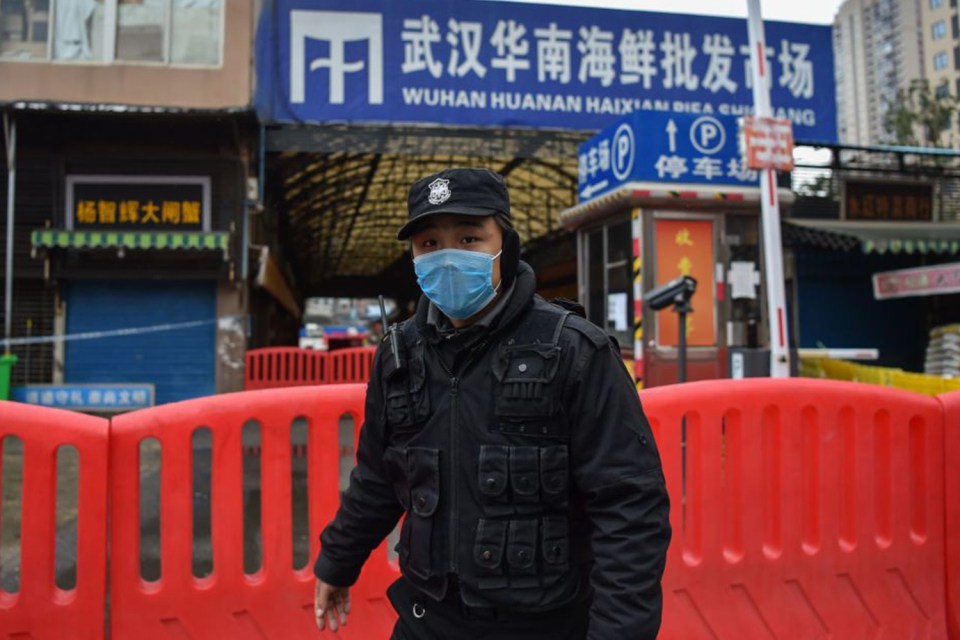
888	201
127	204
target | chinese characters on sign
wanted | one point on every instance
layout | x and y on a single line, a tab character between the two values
120	203
663	148
467	63
924	281
685	248
888	201
105	398
767	143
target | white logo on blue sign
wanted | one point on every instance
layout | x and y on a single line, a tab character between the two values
337	28
707	135
624	151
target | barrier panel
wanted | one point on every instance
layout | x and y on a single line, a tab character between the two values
801	509
951	403
275	602
350	365
41	609
280	367
284	367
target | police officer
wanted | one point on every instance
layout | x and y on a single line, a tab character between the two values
508	431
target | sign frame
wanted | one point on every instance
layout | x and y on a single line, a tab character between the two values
205	182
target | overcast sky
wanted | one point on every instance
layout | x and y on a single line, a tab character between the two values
809	11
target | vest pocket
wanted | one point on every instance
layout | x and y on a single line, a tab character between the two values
556	545
407	401
492	480
522	553
554	475
524	474
424	473
525	374
488	553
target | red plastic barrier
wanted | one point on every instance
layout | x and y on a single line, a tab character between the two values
951	403
284	367
350	365
801	509
40	609
277	601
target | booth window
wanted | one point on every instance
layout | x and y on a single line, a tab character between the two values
608	298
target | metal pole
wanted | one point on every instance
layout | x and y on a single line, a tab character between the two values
772	246
10	133
682	347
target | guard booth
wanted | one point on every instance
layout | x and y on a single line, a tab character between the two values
664	195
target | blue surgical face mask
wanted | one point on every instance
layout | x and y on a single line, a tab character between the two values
459	282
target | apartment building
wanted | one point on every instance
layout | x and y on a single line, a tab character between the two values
878	49
941	46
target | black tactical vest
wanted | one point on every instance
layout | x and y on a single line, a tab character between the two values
479	460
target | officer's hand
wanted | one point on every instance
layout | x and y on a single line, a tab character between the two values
331	601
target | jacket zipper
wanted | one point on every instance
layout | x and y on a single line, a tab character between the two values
455	510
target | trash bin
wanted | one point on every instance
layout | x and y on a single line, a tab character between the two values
6	364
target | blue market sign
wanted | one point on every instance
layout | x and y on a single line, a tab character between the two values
102	398
470	62
663	148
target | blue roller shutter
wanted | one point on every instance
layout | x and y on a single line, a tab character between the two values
181	363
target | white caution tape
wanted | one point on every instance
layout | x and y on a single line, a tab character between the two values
94	335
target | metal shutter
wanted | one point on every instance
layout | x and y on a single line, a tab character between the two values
181	362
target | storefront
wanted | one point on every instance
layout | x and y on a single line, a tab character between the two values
888	226
143	253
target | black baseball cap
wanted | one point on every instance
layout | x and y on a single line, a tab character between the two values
471	192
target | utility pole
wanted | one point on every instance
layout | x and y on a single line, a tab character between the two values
770	218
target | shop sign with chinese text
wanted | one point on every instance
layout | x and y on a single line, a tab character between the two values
663	148
101	398
685	248
886	201
767	143
143	203
466	62
923	281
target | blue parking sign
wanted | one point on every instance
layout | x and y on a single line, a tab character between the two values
663	147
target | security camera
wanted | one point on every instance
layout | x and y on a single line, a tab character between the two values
677	291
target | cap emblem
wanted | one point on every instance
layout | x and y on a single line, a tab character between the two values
439	191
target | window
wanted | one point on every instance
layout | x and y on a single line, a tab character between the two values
939	29
609	281
24	29
943	90
936	4
940	61
176	32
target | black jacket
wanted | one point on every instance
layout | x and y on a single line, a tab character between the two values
522	457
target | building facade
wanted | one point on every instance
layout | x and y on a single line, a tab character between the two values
878	49
941	46
134	149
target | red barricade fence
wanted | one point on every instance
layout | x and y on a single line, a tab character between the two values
284	367
350	365
275	602
279	367
801	509
40	609
951	404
